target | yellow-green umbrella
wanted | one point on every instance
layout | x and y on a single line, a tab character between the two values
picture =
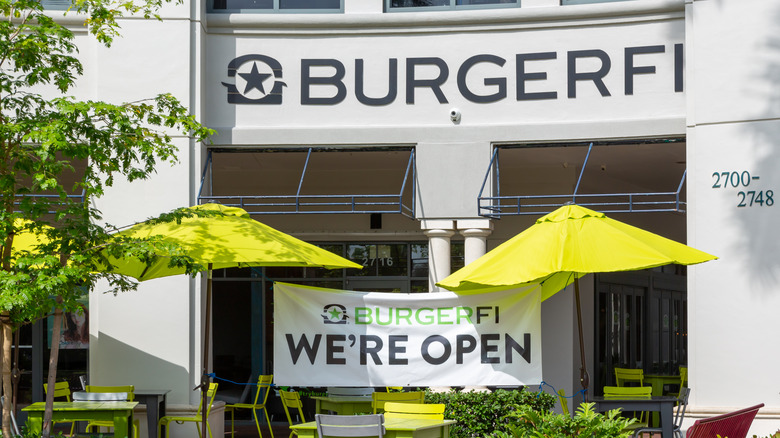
225	237
563	246
222	237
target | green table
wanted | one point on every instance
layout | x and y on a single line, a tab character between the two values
343	404
120	412
657	381
394	428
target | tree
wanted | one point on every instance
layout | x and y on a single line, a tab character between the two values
56	155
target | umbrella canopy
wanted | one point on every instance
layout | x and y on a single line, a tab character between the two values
570	242
563	246
222	237
225	237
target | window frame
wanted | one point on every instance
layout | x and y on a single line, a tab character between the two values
453	6
275	9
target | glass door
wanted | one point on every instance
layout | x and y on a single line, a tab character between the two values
377	285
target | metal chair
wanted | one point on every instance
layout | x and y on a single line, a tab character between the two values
292	400
197	418
732	425
564	402
372	425
380	398
629	375
125	389
422	411
264	387
631	392
679	415
61	389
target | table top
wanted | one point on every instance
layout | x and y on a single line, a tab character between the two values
83	406
344	398
151	391
653	401
394	424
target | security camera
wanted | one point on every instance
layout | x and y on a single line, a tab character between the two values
455	115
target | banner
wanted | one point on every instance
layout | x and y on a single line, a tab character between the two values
328	337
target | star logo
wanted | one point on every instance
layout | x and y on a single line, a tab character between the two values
254	80
253	71
334	314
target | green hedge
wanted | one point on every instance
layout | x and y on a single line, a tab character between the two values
479	414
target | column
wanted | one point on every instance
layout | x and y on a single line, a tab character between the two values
475	232
439	233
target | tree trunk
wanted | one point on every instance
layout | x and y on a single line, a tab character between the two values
55	351
6	335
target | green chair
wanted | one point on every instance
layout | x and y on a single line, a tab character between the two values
129	389
61	390
564	402
378	399
292	400
197	418
629	375
631	392
263	387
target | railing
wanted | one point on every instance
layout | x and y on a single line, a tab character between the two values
300	203
633	202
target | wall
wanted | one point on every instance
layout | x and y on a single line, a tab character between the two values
732	127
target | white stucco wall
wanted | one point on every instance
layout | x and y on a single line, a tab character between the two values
729	106
733	125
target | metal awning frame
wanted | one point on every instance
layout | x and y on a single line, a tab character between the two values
514	205
300	203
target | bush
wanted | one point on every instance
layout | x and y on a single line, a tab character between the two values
482	413
586	423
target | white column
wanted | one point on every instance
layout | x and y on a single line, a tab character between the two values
475	232
439	233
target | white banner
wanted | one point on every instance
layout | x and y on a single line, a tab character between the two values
328	337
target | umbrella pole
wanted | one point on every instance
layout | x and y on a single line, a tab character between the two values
584	377
204	382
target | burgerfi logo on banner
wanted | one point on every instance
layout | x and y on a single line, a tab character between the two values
372	335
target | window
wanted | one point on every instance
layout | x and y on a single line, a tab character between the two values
420	5
56	5
581	2
317	6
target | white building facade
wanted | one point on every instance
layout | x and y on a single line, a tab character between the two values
461	112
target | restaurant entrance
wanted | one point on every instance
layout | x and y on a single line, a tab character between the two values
641	322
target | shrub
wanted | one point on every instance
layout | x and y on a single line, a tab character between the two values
526	422
482	413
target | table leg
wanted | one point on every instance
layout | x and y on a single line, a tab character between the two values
667	422
36	422
122	422
152	415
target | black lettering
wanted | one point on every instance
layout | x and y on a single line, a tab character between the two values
336	80
499	82
487	348
464	344
373	351
678	68
396	349
434	84
295	350
481	314
522	76
597	76
331	349
436	360
392	85
631	70
510	344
